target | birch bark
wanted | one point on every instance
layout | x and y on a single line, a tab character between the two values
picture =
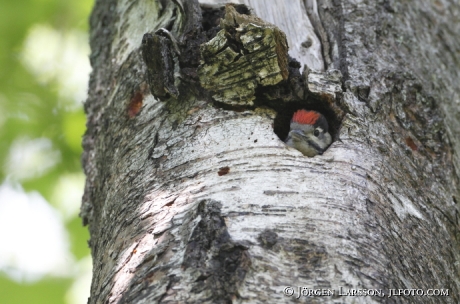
194	201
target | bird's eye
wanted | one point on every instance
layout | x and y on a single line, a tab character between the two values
316	133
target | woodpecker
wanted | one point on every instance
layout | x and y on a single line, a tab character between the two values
309	133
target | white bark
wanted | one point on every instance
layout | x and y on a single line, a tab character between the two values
188	202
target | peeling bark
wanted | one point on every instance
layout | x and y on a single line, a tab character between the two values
247	52
190	199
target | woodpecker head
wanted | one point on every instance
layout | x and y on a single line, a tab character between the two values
309	133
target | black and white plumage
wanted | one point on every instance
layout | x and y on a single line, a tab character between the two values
309	133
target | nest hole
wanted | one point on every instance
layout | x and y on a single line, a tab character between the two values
283	119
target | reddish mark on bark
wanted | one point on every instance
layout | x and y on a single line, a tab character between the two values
223	171
193	110
135	104
169	204
410	142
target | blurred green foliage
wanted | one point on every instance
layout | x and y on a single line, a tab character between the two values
30	108
48	291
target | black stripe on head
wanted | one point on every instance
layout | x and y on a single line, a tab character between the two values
322	122
315	146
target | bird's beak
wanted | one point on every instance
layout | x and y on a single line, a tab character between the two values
297	133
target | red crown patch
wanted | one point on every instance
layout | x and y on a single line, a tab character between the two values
305	117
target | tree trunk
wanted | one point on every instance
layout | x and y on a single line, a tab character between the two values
191	194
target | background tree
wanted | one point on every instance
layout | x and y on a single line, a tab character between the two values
191	196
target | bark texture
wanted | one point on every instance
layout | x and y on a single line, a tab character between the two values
189	200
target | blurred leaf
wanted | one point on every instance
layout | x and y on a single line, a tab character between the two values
74	128
78	235
43	292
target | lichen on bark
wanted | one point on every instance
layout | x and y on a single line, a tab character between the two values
247	52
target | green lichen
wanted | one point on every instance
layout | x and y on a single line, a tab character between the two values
246	53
